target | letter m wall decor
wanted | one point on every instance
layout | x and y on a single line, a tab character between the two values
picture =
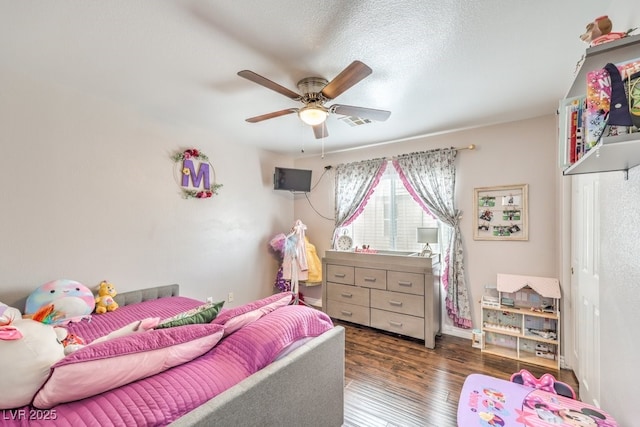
197	176
193	179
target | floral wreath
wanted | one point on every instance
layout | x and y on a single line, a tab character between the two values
193	153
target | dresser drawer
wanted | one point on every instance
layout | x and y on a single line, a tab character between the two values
340	274
400	281
371	278
349	312
398	323
399	294
398	302
348	294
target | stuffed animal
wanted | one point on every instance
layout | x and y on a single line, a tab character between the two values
599	27
599	31
104	300
70	342
28	349
60	301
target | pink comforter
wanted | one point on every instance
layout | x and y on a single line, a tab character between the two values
164	397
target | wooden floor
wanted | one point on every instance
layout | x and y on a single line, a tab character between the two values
397	382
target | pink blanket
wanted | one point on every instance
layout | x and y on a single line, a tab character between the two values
164	397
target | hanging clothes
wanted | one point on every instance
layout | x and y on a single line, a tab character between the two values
313	263
294	262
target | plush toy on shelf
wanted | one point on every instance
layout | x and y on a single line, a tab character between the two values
104	300
599	31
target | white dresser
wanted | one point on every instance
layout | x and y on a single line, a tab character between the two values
396	293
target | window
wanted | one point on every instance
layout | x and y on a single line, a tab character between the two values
390	218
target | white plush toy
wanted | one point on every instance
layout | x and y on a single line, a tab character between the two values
28	349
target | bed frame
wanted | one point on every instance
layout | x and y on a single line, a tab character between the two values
304	388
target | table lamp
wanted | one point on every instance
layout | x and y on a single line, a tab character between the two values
427	235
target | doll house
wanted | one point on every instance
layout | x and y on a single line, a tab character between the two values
525	325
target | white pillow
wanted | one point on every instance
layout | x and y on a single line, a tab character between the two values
136	327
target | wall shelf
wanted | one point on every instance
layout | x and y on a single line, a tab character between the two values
612	153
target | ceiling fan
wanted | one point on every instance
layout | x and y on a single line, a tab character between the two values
316	91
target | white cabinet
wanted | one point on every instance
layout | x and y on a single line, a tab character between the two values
395	293
525	322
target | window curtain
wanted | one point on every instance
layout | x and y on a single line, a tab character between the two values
430	178
355	183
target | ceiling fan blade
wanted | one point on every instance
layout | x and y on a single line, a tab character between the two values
320	131
275	114
263	81
351	75
364	113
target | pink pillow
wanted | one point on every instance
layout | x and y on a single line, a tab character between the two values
237	317
97	368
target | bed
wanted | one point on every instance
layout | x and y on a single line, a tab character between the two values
284	367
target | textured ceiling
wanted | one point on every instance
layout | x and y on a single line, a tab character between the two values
437	65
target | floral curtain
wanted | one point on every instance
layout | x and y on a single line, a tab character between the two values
430	178
355	183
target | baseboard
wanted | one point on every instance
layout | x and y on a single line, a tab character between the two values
457	332
466	333
564	364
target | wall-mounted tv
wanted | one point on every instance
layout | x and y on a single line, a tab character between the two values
292	179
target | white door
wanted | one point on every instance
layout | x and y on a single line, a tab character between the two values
585	283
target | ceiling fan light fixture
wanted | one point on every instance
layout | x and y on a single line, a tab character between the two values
313	114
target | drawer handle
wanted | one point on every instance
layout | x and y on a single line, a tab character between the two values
396	324
346	313
346	295
341	275
369	279
405	283
396	303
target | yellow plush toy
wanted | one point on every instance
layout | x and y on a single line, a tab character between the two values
104	300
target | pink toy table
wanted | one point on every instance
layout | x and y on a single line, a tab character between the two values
487	401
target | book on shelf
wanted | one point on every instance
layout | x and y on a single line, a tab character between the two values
580	129
572	138
598	104
584	120
628	68
572	116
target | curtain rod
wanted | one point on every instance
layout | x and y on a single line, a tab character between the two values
469	147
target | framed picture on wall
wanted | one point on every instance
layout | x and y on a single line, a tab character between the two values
501	213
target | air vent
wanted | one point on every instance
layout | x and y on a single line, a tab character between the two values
355	121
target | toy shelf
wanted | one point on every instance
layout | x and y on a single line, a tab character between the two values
528	329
